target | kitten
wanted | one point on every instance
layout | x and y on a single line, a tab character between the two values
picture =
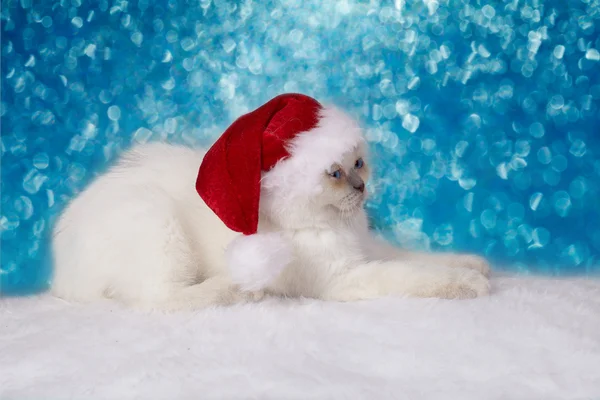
141	235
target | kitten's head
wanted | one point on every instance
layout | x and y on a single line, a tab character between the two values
344	182
323	181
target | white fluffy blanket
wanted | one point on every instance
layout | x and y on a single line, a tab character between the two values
534	338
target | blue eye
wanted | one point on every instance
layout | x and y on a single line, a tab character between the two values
336	174
359	163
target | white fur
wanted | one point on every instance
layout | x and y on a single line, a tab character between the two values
255	261
536	339
141	234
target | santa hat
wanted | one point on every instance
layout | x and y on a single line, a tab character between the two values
289	136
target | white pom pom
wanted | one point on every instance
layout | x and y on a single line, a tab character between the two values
255	261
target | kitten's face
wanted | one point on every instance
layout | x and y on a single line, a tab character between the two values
344	183
334	193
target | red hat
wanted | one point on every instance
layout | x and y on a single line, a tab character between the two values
290	135
229	177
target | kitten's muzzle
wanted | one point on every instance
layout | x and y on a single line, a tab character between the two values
356	181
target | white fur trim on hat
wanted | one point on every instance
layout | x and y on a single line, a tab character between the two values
335	134
313	152
254	261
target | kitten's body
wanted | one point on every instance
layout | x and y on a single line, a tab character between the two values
141	234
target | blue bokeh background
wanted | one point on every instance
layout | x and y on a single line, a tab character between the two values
483	116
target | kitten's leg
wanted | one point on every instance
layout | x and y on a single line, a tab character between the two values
378	250
405	278
453	260
215	291
161	269
463	261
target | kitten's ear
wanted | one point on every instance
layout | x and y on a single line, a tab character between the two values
255	261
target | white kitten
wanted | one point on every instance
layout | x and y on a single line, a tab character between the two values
141	234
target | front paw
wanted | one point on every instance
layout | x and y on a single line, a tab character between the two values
471	262
462	283
252	296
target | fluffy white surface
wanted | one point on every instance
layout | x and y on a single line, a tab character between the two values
255	261
531	339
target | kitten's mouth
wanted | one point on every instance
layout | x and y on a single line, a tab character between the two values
351	203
